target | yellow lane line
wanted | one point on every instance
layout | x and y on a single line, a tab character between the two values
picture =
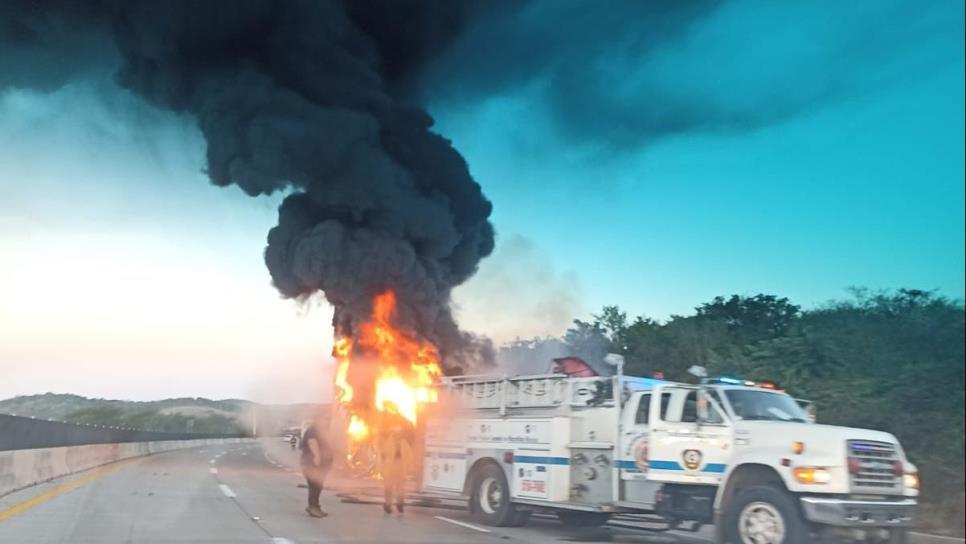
63	488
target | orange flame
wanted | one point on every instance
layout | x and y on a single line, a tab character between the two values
342	350
358	430
400	368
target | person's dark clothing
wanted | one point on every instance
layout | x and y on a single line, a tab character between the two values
315	490
306	450
315	474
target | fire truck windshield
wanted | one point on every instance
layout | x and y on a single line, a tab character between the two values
750	405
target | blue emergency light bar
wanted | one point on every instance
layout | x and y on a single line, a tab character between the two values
726	380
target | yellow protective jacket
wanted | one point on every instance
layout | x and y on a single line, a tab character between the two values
395	456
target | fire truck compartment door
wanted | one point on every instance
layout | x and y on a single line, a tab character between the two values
680	448
444	469
534	473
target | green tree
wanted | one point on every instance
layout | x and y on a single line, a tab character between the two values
752	318
589	341
614	324
672	348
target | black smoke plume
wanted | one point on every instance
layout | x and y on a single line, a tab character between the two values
312	98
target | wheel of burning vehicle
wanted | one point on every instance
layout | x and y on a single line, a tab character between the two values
362	462
490	499
764	515
573	518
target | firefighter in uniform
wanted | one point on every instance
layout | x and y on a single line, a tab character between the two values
395	456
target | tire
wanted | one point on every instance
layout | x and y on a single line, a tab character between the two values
574	518
764	515
490	499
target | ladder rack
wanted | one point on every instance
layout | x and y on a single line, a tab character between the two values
557	392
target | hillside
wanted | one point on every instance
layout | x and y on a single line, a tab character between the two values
58	406
185	414
171	415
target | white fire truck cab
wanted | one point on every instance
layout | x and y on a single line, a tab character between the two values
728	452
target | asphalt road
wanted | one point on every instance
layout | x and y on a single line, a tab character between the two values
245	493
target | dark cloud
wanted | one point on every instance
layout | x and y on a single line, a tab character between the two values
44	45
633	73
308	97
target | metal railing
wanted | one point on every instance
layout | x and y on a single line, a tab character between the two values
20	433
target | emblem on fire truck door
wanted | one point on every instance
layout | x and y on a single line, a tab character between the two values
692	459
640	454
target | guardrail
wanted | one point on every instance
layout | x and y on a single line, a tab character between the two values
17	433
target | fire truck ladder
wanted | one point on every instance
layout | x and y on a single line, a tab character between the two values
557	392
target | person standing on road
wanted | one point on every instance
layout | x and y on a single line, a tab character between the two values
395	457
316	461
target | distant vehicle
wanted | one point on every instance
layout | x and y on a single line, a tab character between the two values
742	455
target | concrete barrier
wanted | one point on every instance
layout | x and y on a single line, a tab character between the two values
24	468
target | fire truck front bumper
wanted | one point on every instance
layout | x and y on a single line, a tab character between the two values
858	513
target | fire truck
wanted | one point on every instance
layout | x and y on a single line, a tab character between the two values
727	452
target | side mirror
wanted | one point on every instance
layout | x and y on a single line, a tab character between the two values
809	408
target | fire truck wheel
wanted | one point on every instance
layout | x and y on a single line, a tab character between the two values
764	515
571	518
490	499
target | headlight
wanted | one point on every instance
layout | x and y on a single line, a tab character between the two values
910	480
812	475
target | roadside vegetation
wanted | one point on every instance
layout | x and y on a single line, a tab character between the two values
154	420
181	415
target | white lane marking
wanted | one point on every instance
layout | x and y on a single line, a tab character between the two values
280	540
462	524
212	461
937	537
227	491
213	470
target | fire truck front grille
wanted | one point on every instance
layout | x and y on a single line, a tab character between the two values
876	467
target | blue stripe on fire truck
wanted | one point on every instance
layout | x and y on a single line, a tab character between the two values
536	460
713	468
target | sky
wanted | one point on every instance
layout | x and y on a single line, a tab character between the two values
755	147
